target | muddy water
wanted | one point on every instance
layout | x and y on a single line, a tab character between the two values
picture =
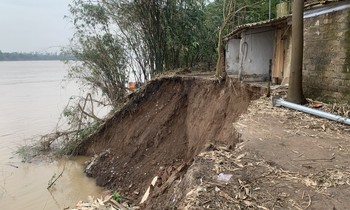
31	99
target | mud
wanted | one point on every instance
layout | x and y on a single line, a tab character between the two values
162	127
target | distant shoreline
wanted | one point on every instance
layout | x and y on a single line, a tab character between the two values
39	60
33	60
34	56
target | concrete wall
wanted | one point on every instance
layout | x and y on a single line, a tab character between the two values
326	72
249	56
257	50
232	56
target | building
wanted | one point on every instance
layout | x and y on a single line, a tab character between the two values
262	51
259	51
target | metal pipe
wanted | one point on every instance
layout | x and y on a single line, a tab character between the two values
337	118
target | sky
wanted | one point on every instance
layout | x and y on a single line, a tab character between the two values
34	25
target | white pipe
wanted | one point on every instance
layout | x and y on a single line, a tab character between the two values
337	118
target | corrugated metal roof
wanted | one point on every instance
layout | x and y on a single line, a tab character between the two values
272	22
277	21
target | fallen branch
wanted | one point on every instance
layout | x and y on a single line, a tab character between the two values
176	174
115	203
316	159
309	203
54	181
89	115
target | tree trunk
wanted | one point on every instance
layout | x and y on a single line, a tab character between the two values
219	68
295	89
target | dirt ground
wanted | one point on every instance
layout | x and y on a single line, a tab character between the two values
191	132
313	152
284	160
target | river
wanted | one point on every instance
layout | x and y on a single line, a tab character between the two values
31	100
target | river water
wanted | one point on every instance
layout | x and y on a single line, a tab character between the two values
31	100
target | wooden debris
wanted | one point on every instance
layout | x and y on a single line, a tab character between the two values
106	203
149	189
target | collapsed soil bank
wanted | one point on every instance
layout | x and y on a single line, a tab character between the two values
165	124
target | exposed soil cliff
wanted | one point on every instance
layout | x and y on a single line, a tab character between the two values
164	125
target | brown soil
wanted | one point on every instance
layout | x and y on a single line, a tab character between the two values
284	160
164	125
183	128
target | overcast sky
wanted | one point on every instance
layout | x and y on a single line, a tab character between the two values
34	25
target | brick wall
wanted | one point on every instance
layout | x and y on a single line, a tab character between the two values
326	71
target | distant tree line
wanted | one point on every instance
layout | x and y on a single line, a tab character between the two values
34	56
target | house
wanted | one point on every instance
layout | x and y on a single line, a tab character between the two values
262	51
259	51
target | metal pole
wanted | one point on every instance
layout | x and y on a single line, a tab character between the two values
337	118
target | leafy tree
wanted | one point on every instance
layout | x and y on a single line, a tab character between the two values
101	53
101	66
230	10
172	33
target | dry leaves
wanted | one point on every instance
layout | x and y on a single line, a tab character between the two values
258	184
297	121
106	203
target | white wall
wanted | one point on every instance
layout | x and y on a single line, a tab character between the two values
232	56
256	51
249	56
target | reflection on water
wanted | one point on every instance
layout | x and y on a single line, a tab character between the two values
31	99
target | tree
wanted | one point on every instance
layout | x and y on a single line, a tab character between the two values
101	54
138	57
295	88
101	68
230	9
172	33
